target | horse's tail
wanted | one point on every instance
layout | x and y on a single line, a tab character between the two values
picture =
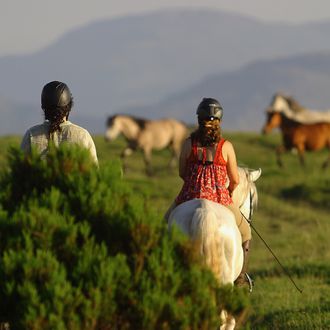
205	231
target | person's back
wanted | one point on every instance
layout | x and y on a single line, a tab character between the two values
206	162
57	102
38	137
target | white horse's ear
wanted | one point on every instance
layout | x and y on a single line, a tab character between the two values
255	174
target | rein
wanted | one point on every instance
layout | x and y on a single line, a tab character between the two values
268	247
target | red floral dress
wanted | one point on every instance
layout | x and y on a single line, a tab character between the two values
205	179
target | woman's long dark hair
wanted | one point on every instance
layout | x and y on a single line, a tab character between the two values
56	116
208	132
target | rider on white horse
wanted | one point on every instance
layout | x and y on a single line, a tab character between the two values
207	161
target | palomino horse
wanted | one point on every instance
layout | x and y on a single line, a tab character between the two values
302	129
147	135
213	226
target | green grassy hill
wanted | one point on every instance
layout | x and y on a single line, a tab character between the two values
293	217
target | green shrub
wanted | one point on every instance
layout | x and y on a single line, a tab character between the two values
80	250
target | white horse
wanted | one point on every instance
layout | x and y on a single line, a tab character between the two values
147	135
213	226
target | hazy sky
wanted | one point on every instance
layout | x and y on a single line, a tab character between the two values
28	25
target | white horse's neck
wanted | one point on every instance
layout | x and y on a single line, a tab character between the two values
281	105
128	126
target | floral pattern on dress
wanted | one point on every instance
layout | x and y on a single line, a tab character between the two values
206	180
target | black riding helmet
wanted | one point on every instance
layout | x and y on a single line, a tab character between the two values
209	109
55	94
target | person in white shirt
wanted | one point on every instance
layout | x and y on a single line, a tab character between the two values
57	102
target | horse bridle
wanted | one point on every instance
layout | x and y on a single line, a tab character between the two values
251	205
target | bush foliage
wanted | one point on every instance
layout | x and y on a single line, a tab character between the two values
80	250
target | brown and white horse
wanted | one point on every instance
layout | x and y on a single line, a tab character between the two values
147	135
301	129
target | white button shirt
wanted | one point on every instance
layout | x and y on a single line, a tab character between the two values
38	137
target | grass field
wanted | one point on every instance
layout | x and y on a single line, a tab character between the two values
293	217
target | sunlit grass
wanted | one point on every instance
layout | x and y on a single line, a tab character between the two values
293	217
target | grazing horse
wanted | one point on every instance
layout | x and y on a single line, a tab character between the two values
147	135
301	129
213	226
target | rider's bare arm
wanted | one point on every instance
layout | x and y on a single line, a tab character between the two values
185	152
232	170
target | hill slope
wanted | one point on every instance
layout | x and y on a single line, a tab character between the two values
247	92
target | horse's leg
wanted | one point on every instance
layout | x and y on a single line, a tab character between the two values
279	152
301	152
175	151
227	321
327	161
147	160
173	159
125	153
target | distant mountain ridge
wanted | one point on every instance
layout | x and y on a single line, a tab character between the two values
247	92
137	61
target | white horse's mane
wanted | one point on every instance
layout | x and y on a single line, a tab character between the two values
245	171
296	112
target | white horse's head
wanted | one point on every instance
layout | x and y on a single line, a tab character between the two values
284	104
129	126
113	128
279	103
245	195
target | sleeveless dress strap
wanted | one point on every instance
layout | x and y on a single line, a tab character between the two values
218	158
195	157
204	155
194	153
